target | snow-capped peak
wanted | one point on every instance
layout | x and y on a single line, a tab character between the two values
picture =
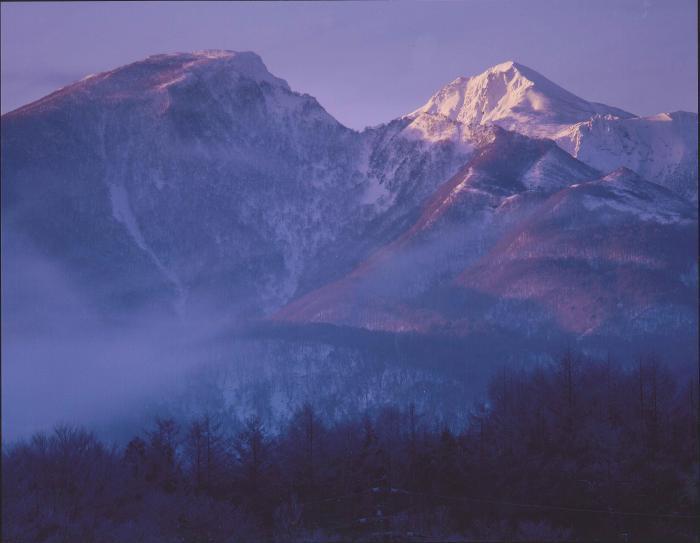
159	73
244	63
515	97
505	66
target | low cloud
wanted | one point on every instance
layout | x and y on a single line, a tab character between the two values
63	361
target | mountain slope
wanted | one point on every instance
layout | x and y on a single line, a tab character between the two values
612	259
499	185
616	255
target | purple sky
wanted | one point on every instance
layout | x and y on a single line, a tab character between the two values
372	61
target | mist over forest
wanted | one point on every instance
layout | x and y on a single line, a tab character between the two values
574	450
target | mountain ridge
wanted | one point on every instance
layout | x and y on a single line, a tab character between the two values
201	182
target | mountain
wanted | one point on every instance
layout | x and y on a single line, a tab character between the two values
199	183
188	176
200	178
661	148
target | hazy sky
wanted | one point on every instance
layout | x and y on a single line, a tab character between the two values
369	62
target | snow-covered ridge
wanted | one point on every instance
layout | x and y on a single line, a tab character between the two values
157	74
513	95
624	193
153	70
661	148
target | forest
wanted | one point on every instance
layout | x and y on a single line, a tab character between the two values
577	449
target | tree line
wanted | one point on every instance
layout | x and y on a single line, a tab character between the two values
576	450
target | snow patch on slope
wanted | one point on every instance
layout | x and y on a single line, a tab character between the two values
435	129
122	212
625	192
